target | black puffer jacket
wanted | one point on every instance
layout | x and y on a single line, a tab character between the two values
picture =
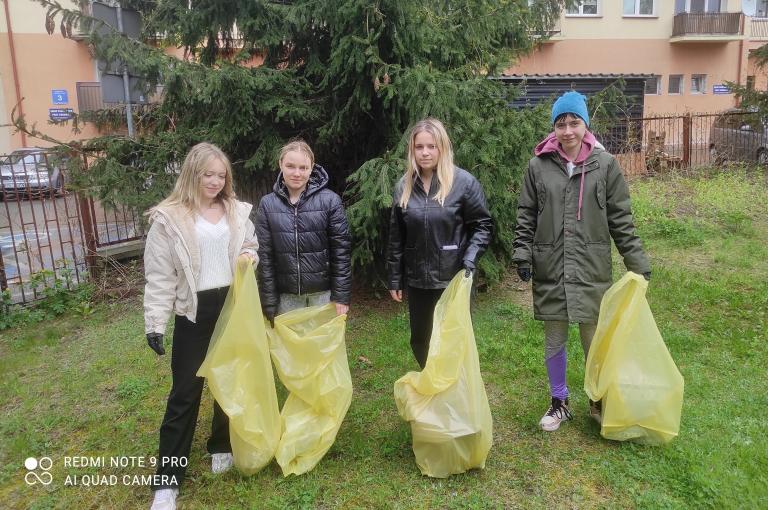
303	248
429	243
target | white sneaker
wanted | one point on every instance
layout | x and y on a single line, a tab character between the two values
165	499
221	462
557	412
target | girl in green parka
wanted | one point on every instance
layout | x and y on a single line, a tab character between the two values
574	200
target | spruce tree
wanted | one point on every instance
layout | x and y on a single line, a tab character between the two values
349	76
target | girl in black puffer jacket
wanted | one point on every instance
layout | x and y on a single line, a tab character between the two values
304	242
439	224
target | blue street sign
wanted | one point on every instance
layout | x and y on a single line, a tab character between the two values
59	114
720	89
59	96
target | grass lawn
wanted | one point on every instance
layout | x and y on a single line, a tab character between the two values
89	386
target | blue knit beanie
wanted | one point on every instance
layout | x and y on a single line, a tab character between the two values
571	102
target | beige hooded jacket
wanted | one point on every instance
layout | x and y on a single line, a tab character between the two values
172	262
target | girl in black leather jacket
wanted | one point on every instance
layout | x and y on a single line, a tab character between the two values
433	234
304	241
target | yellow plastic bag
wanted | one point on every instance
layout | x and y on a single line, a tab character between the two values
310	357
239	374
446	402
630	369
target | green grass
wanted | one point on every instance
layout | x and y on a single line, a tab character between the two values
89	386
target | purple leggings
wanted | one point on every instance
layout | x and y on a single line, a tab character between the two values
555	358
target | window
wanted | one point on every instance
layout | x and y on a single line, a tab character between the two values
750	83
675	84
762	9
698	83
639	8
584	8
653	86
698	6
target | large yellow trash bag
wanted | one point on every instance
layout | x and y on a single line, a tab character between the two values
446	402
629	368
310	357
239	374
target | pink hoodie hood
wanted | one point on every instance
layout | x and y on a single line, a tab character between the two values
550	144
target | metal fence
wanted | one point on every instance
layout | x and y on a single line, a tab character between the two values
48	233
651	145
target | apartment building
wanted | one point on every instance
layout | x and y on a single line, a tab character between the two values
690	48
41	69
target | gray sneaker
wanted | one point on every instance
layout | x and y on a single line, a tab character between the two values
558	411
221	462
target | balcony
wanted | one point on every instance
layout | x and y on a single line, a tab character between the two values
708	27
552	34
759	29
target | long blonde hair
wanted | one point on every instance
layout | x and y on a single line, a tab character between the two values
186	192
444	162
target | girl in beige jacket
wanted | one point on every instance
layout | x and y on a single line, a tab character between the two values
195	238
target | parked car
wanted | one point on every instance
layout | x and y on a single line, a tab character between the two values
739	135
30	171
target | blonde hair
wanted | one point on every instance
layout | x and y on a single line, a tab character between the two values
444	169
298	145
186	192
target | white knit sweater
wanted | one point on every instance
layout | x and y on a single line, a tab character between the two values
215	266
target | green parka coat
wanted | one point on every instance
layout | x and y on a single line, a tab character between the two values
570	257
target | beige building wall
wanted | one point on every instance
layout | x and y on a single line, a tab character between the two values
612	43
43	63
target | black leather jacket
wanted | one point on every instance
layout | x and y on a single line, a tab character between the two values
303	248
429	243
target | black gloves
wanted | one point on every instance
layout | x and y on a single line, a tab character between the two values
469	268
524	273
155	342
647	276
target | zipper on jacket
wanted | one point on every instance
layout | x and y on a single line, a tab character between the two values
296	239
426	227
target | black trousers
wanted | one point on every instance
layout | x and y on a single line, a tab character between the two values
190	345
421	308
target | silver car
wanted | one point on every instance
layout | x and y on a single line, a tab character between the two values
28	172
738	135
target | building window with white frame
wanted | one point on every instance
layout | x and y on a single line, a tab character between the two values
698	6
698	84
761	10
653	86
584	8
639	7
675	84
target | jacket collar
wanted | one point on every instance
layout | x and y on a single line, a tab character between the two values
181	222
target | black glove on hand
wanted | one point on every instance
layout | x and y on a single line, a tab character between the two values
647	276
469	268
155	342
524	273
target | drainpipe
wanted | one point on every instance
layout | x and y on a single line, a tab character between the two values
741	48
15	69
